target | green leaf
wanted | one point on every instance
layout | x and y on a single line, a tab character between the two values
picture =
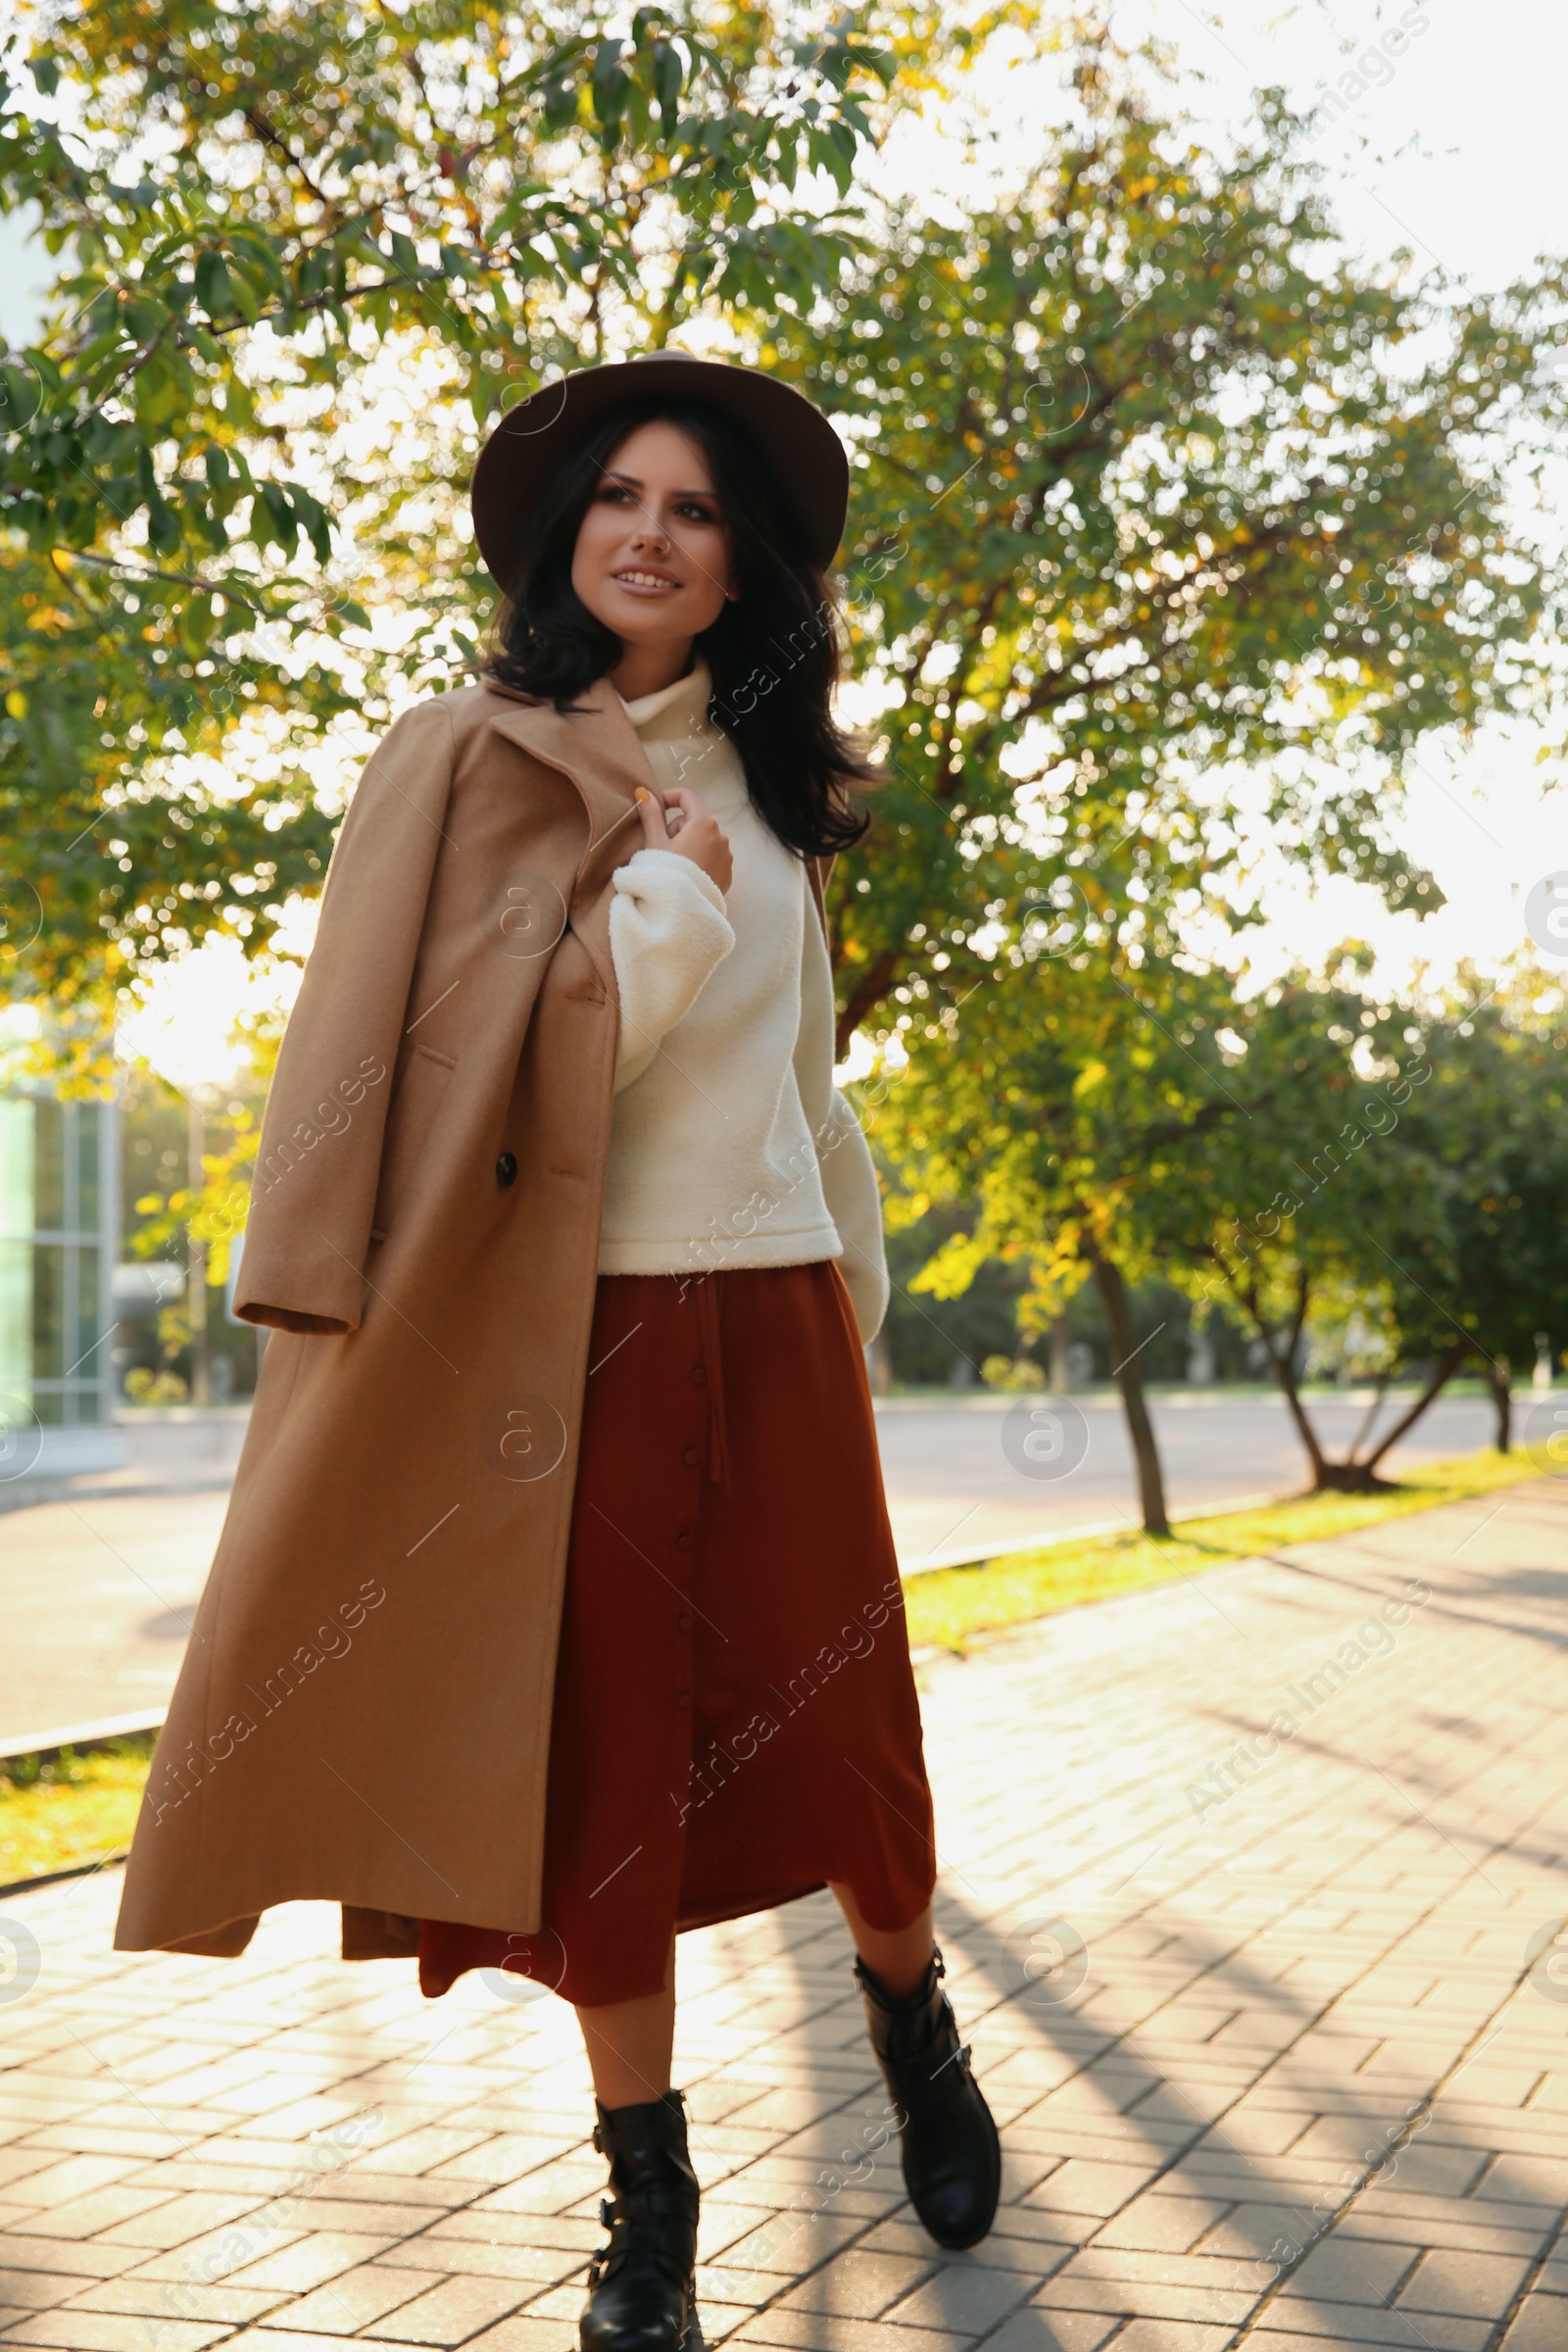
668	78
214	289
611	82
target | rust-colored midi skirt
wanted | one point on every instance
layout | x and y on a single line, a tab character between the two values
735	1717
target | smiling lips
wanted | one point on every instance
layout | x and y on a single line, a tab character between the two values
644	582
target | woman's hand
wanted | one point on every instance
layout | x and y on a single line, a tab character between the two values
695	833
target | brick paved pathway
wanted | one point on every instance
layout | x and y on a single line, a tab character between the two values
1244	1883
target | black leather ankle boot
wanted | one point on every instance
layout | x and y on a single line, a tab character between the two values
642	2294
952	2154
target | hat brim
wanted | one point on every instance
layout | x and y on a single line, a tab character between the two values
522	453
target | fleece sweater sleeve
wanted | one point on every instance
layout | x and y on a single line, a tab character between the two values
843	1156
668	933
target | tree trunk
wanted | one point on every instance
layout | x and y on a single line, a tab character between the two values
1447	1368
1284	1369
1060	1341
1500	1379
1129	1378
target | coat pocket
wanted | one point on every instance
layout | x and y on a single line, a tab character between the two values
411	1122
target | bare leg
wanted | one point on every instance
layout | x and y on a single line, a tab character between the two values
899	1957
631	2044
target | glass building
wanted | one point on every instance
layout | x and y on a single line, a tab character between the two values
59	1198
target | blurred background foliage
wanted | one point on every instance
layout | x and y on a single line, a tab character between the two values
1177	535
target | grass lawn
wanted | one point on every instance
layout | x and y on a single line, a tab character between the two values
69	1808
78	1808
948	1605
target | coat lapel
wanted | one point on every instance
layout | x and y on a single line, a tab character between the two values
597	747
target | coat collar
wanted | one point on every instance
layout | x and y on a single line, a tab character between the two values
594	744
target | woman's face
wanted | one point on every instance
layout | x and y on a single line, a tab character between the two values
653	558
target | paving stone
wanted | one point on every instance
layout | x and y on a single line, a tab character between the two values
173	2221
1327	2324
1540	2325
1152	2223
1341	2271
216	2255
1101	2189
58	2184
859	2286
454	2311
166	2301
965	2299
1359	2328
108	2331
85	2217
282	2340
559	2229
830	2332
278	2145
717	2321
1174	2336
1471	2285
33	2290
1052	2332
482	2258
1147	2298
355	2300
84	2261
525	2333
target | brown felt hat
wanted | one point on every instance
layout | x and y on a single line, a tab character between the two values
522	453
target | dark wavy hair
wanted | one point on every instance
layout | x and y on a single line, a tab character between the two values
773	653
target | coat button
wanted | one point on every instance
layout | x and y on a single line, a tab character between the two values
700	1375
684	1541
683	1623
683	1699
691	1458
506	1168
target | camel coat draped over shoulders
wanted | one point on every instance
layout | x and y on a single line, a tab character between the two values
362	1715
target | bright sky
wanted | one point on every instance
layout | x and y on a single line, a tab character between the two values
1454	151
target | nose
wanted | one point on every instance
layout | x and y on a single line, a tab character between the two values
649	533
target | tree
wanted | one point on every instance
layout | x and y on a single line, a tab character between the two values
1393	1196
1343	1178
1051	1106
1496	1118
1153	484
1302	1215
257	209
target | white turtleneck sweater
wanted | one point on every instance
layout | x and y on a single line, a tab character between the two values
730	1145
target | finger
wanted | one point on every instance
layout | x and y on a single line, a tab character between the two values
650	808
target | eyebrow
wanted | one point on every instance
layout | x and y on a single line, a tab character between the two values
634	481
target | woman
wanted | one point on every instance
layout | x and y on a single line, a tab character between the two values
599	1427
